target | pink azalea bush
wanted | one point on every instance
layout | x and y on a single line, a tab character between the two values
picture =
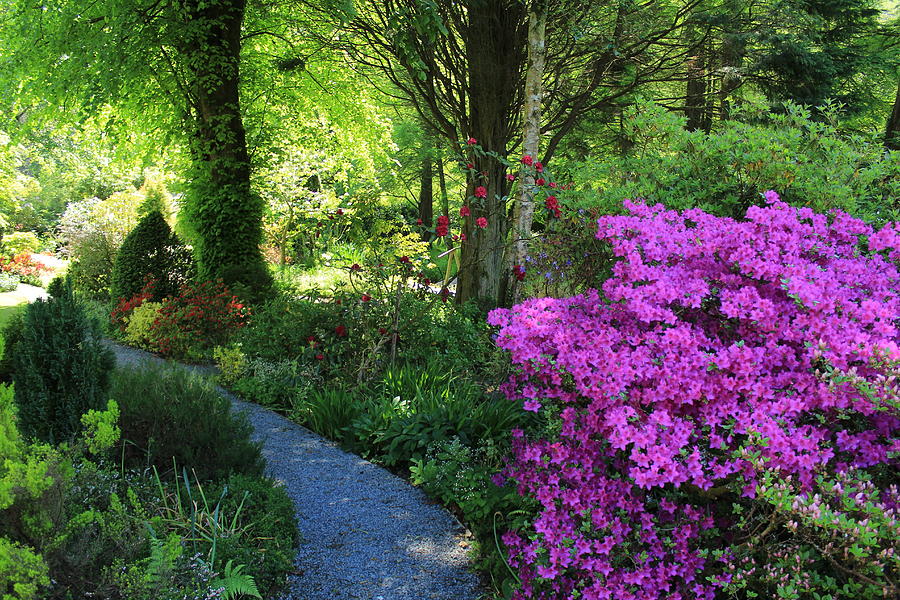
720	354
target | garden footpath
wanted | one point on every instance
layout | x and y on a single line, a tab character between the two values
365	533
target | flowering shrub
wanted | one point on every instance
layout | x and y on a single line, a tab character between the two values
125	306
24	267
202	316
718	351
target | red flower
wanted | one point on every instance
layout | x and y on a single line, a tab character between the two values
510	177
464	211
539	181
443	220
404	259
462	237
551	202
355	267
552	184
340	331
441	230
382	331
527	160
455	238
519	272
320	356
445	293
471	141
481	192
366	297
481	222
538	167
418	221
470	166
340	211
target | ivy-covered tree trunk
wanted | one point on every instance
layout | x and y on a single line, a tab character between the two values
224	212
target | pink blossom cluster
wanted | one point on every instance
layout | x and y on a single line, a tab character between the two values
711	350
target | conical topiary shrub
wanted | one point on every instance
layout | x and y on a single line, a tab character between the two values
151	251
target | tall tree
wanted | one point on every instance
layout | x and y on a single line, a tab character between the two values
462	64
176	62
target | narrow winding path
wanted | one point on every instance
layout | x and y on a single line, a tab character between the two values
366	534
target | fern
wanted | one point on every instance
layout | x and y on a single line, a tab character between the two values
236	583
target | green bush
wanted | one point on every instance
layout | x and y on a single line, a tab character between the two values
171	414
268	527
151	252
138	328
808	162
60	367
19	242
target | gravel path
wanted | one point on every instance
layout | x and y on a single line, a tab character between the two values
365	533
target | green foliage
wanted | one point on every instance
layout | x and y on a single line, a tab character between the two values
807	162
60	367
20	242
236	583
160	407
268	528
278	385
23	573
838	540
92	231
138	328
151	252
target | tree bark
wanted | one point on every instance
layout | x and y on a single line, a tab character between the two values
892	132
225	213
494	52
426	193
523	212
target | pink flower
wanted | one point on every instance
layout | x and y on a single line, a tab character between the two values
471	141
539	181
366	297
464	211
462	237
538	167
527	160
510	177
441	230
481	222
481	192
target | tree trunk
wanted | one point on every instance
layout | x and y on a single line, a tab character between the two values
426	194
523	212
494	50
696	93
892	132
225	213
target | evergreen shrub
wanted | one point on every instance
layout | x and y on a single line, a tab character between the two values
60	367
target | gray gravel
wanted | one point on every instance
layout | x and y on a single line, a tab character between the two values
366	533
